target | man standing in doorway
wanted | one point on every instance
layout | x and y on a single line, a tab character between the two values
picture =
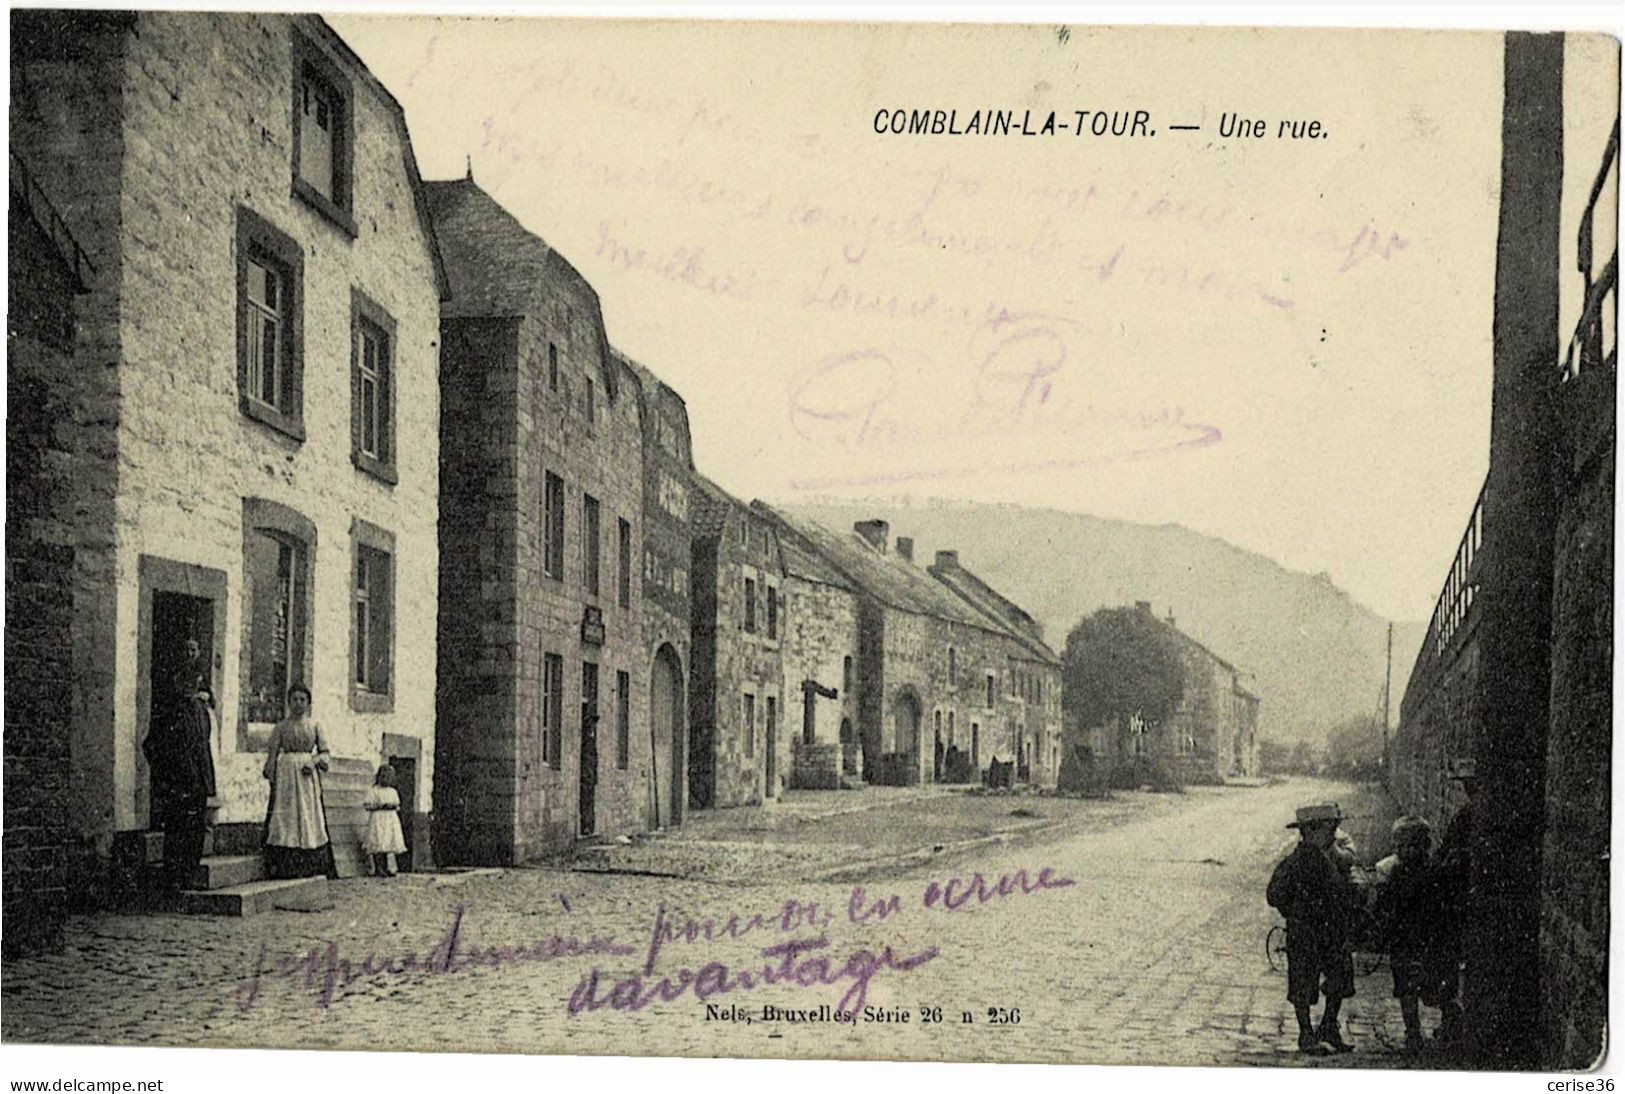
178	751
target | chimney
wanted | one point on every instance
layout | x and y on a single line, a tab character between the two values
947	560
905	548
873	532
1171	622
1143	606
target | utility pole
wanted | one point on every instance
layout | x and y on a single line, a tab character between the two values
1388	697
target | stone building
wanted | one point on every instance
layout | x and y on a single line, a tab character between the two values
668	468
543	702
933	673
254	461
1033	673
819	647
736	752
1211	735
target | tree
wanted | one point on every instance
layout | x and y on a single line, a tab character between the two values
1120	662
1354	748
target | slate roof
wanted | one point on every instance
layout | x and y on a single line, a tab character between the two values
650	383
889	578
1002	611
497	267
708	511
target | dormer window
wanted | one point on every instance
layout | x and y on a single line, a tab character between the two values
323	134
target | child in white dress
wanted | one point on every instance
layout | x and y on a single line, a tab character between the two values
384	839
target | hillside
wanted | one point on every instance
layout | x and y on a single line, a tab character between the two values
1317	656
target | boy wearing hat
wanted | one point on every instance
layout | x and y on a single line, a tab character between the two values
1319	904
1408	914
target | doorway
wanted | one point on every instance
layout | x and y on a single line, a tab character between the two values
772	746
906	716
180	623
588	784
666	720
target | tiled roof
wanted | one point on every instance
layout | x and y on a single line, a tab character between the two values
497	266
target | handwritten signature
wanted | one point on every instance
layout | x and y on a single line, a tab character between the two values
1022	379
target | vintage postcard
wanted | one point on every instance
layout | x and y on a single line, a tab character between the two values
908	541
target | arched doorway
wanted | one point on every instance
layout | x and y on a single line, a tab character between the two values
906	717
668	744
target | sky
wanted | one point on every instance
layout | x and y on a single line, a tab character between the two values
1278	336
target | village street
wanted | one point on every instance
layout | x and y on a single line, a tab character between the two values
1153	954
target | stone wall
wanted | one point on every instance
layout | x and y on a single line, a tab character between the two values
1575	862
665	554
67	82
40	838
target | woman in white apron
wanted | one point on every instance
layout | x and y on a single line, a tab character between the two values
296	841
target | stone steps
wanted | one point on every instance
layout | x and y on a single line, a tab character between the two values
254	897
221	871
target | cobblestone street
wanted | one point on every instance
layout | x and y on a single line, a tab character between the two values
1155	955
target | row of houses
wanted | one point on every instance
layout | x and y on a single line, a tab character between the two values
275	394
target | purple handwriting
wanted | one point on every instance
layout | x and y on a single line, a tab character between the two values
327	971
714	978
1023	379
791	916
1007	885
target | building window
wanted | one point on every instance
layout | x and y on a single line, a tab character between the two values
953	670
552	367
1014	678
553	528
750	605
950	727
623	530
270	307
277	646
373	618
552	710
772	611
937	724
750	726
372	387
323	134
772	726
623	719
590	403
589	543
975	746
846	676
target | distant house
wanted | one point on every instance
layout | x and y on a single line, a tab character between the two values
1213	732
1033	673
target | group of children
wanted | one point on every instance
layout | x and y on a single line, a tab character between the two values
1408	908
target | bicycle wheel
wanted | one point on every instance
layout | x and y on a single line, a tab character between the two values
1275	948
